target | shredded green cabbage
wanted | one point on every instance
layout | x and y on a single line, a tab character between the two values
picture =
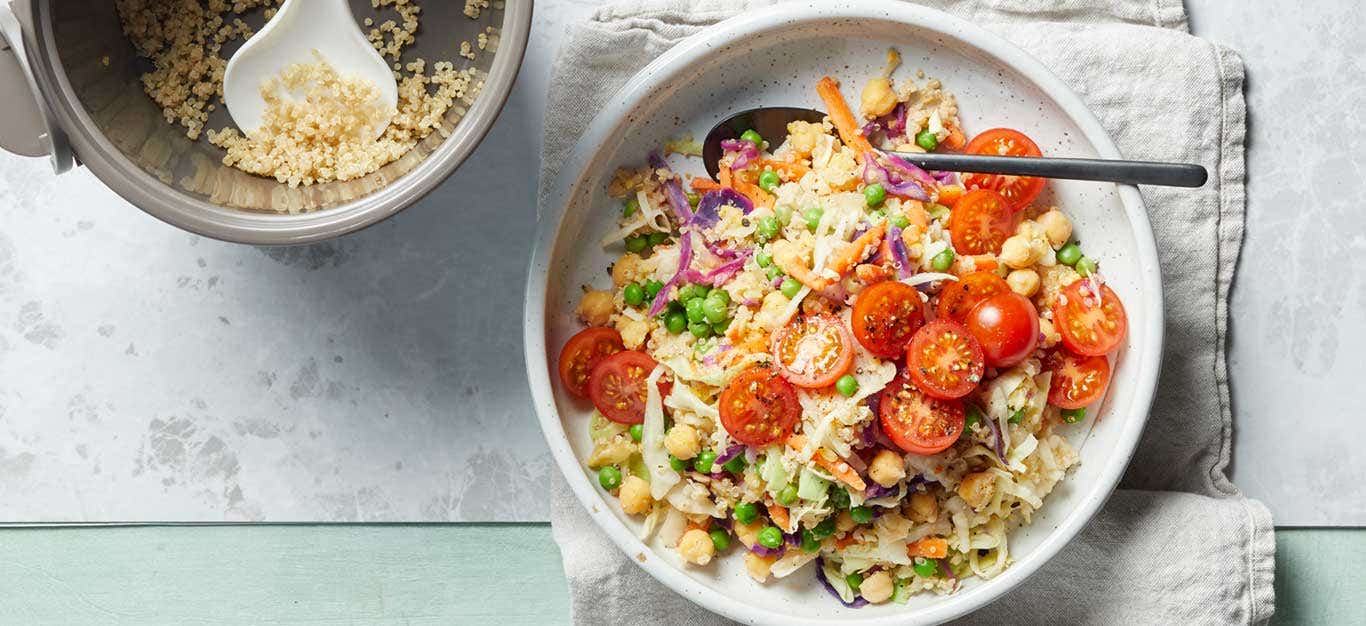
810	486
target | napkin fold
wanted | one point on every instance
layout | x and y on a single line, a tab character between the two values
1177	543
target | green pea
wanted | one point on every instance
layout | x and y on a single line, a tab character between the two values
719	294
1086	266
735	465
633	294
813	217
753	137
701	330
937	211
720	327
746	512
1069	254
790	287
809	541
770	537
874	194
1072	416
704	461
636	431
764	259
927	140
694	198
824	529
1017	416
925	568
861	514
942	261
677	464
773	272
714	308
631	207
768	228
839	497
657	238
784	214
687	292
720	539
768	181
652	288
787	496
676	322
854	580
847	386
636	243
609	477
899	220
695	311
974	416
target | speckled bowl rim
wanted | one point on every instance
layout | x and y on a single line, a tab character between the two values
669	66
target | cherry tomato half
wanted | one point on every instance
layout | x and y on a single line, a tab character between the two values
582	352
1007	325
981	222
617	386
1018	191
916	422
759	407
886	316
959	296
1078	381
945	360
1090	325
814	351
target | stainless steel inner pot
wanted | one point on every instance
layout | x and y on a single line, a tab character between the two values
72	86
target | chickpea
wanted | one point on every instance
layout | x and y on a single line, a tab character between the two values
1057	227
844	522
634	494
876	587
887	468
595	308
923	507
615	451
977	488
748	534
1016	252
1023	282
758	566
877	99
633	332
625	269
682	442
696	547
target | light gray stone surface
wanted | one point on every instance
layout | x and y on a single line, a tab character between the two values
147	374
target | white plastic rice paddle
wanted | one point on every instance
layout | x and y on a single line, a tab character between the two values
299	28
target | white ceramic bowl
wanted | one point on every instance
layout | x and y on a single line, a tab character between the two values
774	57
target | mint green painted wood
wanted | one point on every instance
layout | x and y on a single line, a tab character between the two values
497	574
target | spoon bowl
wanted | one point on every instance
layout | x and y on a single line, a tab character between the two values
300	29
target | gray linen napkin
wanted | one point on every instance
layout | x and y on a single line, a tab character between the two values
1177	543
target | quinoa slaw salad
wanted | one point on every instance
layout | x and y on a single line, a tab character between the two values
833	362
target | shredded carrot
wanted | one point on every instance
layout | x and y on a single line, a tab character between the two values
949	195
956	138
859	249
979	263
842	117
845	541
869	273
787	260
724	177
830	462
787	171
778	514
915	214
703	185
755	193
928	547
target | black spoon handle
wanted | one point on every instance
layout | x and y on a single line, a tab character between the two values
1127	172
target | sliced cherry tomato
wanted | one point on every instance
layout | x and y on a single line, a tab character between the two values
814	351
886	316
1018	191
1007	325
959	296
1089	325
916	422
582	352
945	360
759	407
617	386
1078	381
980	222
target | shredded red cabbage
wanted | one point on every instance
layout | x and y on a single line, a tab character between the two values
875	490
948	572
901	258
684	260
825	582
999	442
910	170
709	209
766	551
745	152
874	404
720	274
874	172
731	452
896	126
793	539
673	192
945	178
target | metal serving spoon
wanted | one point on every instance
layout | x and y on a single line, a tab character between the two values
773	121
